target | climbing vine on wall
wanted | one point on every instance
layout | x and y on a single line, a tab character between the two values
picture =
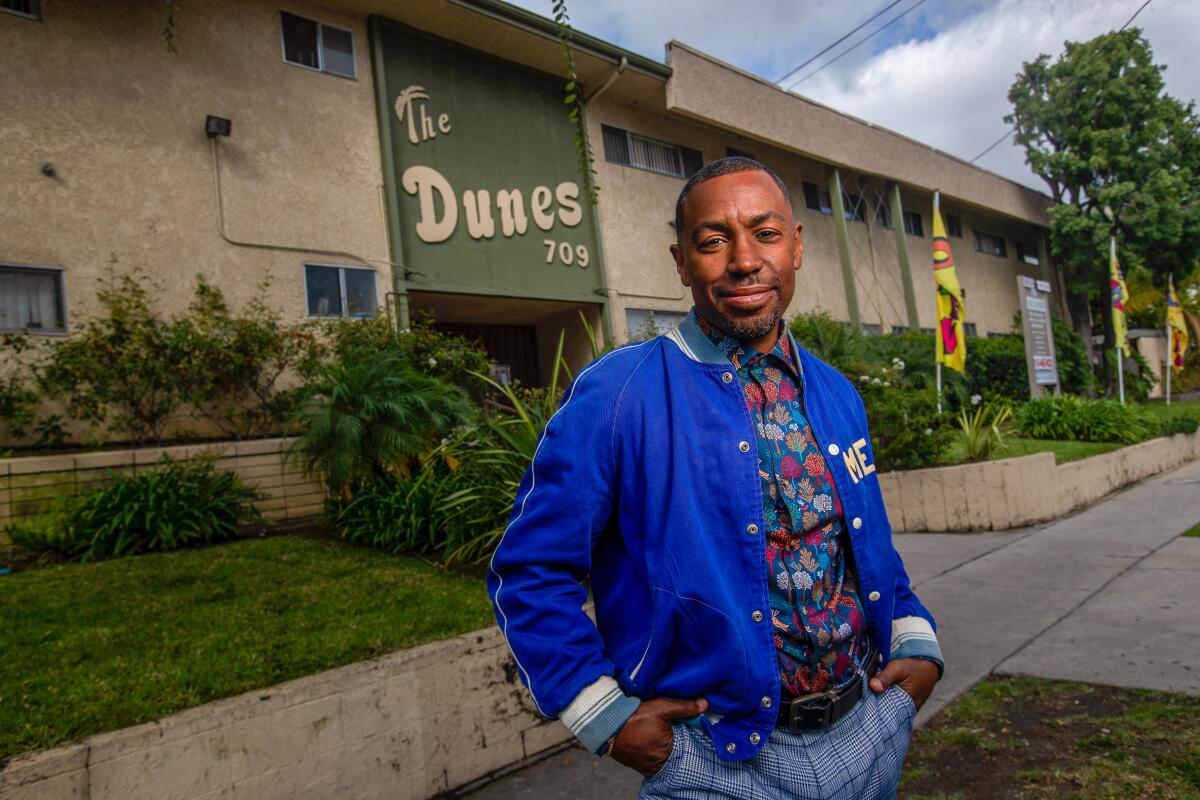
574	102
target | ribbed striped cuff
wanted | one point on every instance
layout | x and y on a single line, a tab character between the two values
598	712
913	637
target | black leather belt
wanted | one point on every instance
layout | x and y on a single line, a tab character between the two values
822	709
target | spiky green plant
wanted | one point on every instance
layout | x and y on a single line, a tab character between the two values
368	419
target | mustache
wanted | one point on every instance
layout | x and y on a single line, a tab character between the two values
774	283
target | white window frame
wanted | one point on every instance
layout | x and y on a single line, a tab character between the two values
62	298
321	26
36	16
341	268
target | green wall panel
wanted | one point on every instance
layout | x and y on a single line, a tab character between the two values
487	194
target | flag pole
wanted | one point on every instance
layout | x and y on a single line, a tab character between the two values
1170	348
937	328
1112	254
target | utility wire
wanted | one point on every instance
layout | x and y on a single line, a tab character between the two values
799	67
1135	14
854	46
1013	129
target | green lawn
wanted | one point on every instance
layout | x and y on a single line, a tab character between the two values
91	647
1194	531
1055	740
1016	446
1163	411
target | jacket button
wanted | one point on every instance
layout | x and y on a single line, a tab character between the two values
834	450
755	738
856	522
731	748
727	377
752	529
766	702
744	447
757	616
873	597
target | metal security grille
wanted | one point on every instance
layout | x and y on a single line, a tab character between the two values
24	8
632	150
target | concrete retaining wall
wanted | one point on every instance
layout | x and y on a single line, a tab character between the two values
1013	492
28	485
409	725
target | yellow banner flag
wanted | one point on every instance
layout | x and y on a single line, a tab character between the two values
951	339
1179	331
1116	285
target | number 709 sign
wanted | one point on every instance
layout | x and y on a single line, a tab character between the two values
566	254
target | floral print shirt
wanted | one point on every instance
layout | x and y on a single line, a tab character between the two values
815	606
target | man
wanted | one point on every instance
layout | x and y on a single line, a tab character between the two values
717	485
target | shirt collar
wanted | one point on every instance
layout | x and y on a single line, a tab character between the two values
742	354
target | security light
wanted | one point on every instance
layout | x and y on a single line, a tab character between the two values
216	126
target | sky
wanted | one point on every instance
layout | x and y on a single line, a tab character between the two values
939	74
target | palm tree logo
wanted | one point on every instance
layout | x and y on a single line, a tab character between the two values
404	109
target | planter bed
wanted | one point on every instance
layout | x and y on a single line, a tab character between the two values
93	647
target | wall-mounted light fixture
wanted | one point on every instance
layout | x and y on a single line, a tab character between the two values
216	126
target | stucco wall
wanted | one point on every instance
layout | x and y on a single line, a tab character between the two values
96	94
407	726
1013	492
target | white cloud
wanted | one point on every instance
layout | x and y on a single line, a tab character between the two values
951	91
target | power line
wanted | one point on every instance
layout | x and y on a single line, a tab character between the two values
1013	129
993	145
799	67
1131	19
852	47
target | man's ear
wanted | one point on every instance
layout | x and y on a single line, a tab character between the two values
680	264
798	247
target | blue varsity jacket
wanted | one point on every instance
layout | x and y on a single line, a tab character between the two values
646	480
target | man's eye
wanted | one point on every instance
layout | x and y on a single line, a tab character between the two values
768	234
713	242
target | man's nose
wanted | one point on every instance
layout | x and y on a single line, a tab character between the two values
744	256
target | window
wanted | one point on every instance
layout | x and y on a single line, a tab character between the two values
912	223
992	245
340	291
953	226
317	46
817	198
969	329
1028	255
632	150
32	299
854	208
733	151
872	329
883	216
30	9
645	323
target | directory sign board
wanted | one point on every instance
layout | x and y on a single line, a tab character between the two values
1039	335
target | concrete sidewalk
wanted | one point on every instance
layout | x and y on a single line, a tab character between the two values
1108	596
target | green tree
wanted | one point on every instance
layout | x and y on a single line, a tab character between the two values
1101	132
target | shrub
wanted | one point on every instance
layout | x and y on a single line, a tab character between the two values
996	368
829	340
1138	381
422	349
1184	423
982	435
1068	418
906	429
177	505
367	419
235	366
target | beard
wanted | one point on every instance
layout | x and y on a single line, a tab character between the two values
762	323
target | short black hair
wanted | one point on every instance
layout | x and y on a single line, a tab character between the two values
724	166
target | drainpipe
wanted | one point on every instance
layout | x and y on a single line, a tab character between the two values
609	81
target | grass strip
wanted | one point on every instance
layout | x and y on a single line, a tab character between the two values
86	648
1043	739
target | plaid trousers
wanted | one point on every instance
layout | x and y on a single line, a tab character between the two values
859	758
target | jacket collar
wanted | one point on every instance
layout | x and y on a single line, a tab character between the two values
698	347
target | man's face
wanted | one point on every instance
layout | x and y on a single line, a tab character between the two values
739	251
